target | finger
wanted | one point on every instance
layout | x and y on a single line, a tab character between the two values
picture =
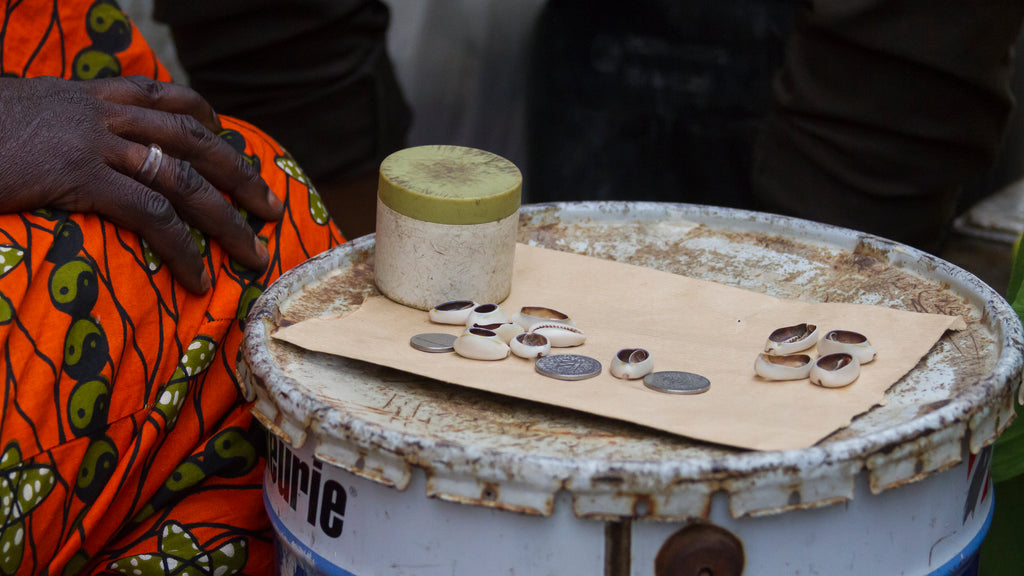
204	208
135	207
148	93
185	138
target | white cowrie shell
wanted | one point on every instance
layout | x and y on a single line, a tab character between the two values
791	339
505	330
530	316
783	367
853	343
560	335
631	363
835	370
480	344
486	314
454	312
530	345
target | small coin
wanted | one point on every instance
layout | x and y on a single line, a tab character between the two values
433	342
568	366
677	382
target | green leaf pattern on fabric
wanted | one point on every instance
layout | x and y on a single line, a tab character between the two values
23	487
197	358
10	257
182	555
291	168
153	261
317	209
6	310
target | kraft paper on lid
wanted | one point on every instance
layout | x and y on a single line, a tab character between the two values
686	324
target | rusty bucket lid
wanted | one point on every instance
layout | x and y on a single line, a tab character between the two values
489	450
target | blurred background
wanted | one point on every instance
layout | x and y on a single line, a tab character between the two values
527	79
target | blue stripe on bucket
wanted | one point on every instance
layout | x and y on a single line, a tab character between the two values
966	562
306	558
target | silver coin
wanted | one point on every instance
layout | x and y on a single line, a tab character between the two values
677	382
568	366
433	342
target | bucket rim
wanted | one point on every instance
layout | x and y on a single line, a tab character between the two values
758	482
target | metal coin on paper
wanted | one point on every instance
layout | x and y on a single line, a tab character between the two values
433	342
568	366
677	382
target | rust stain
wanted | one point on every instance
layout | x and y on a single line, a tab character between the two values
644	505
338	293
931	407
490	491
546	235
871	251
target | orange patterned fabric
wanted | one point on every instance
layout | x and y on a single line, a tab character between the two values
125	447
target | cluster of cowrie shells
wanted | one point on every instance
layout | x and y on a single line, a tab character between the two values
840	356
491	334
531	333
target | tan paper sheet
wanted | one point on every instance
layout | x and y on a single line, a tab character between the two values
686	324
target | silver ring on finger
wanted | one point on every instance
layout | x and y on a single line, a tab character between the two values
146	173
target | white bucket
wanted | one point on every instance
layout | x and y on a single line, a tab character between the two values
329	521
377	472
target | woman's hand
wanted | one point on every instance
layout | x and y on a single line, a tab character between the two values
81	146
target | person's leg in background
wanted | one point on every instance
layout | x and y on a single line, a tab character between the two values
657	102
314	74
884	109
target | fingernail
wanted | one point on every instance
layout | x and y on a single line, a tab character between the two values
262	251
205	281
274	201
216	119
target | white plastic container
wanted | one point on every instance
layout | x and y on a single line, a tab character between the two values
446	225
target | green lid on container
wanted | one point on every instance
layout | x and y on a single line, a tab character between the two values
450	184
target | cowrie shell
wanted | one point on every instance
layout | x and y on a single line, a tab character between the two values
480	344
853	343
453	312
486	314
791	339
835	370
783	367
560	335
530	345
631	363
530	316
505	330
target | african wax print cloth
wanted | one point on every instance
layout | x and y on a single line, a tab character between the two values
125	446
